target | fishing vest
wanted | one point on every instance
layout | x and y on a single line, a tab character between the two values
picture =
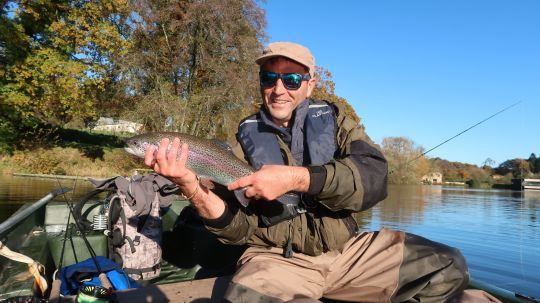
312	139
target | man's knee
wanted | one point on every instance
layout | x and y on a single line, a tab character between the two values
431	271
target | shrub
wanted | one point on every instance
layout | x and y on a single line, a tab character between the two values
8	134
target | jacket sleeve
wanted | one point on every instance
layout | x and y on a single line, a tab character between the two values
357	179
234	227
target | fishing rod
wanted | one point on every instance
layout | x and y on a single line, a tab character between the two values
462	132
61	262
102	276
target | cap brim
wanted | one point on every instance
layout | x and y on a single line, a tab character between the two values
262	59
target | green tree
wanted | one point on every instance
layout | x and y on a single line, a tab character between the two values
58	58
532	163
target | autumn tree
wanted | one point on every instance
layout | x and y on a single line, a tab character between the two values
518	168
463	172
188	62
325	90
406	164
58	58
193	61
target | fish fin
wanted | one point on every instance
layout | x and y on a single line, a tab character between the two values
207	182
226	146
241	197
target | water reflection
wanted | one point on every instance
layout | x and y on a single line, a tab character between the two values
498	231
15	191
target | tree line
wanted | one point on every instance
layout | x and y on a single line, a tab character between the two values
184	65
406	166
188	62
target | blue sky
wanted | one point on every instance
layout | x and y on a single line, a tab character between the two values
427	70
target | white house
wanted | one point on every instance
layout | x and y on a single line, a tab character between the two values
112	125
432	178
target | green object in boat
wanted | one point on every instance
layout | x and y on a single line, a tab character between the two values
93	294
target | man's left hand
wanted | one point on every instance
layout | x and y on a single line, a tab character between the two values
273	181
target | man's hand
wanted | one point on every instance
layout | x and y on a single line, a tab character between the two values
273	181
172	164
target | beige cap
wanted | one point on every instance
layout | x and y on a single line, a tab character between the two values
293	51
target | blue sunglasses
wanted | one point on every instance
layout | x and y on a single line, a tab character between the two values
291	81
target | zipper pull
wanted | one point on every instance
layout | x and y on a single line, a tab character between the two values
287	250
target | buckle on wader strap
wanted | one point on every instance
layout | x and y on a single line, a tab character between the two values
351	225
287	250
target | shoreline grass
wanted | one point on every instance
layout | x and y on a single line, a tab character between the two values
71	152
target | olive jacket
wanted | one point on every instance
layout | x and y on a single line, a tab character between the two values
354	181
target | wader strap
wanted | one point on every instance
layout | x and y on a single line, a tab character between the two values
351	224
140	271
287	250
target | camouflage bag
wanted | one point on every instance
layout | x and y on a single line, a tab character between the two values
134	223
136	240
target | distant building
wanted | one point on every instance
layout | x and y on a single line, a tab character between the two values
497	177
432	178
112	125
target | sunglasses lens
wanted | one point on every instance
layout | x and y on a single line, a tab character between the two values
292	81
268	79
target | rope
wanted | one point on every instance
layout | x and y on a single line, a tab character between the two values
35	268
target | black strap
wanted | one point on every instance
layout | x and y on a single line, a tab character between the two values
77	208
351	224
131	244
140	271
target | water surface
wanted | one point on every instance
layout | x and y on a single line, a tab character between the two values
15	191
498	231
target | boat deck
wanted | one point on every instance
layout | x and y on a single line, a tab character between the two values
205	290
200	291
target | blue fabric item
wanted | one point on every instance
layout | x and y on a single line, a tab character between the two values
85	272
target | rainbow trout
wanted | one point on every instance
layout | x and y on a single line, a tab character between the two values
207	158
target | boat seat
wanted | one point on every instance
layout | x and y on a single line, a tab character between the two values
75	249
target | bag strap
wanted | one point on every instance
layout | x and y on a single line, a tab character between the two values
141	271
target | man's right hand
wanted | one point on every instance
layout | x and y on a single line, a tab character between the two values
172	164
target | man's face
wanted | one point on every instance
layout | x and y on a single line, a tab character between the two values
280	101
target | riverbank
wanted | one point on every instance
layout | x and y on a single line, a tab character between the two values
70	161
70	152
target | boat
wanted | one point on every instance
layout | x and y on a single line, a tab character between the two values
526	185
531	184
195	266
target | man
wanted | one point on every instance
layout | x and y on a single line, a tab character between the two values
311	247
